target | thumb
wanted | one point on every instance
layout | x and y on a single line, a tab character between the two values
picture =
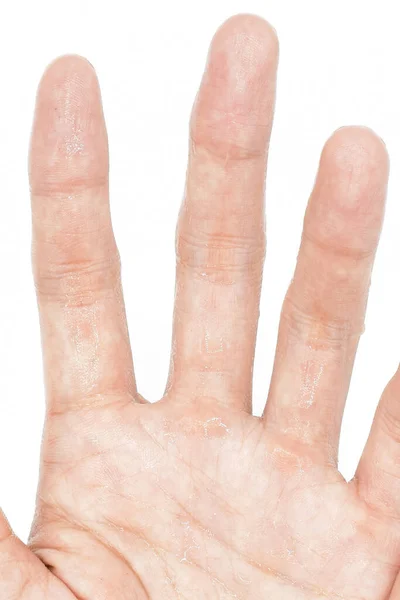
22	574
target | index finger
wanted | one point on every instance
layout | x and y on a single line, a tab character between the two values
76	263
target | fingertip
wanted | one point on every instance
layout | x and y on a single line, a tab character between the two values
253	25
234	108
67	80
346	207
251	39
63	66
68	133
358	149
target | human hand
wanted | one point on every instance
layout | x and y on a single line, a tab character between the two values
193	497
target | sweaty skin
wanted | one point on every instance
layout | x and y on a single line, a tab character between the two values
193	498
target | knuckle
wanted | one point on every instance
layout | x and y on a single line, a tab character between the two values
220	258
226	142
77	282
327	243
48	187
317	326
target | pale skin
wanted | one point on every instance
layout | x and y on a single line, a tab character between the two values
193	497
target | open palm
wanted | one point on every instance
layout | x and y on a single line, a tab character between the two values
192	497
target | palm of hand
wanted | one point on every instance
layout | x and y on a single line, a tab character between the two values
194	497
204	504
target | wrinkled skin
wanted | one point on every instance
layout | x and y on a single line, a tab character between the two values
193	498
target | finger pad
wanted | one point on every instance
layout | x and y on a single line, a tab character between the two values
233	112
68	139
347	204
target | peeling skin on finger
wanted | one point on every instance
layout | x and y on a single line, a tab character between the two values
312	370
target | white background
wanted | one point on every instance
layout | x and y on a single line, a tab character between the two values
339	65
